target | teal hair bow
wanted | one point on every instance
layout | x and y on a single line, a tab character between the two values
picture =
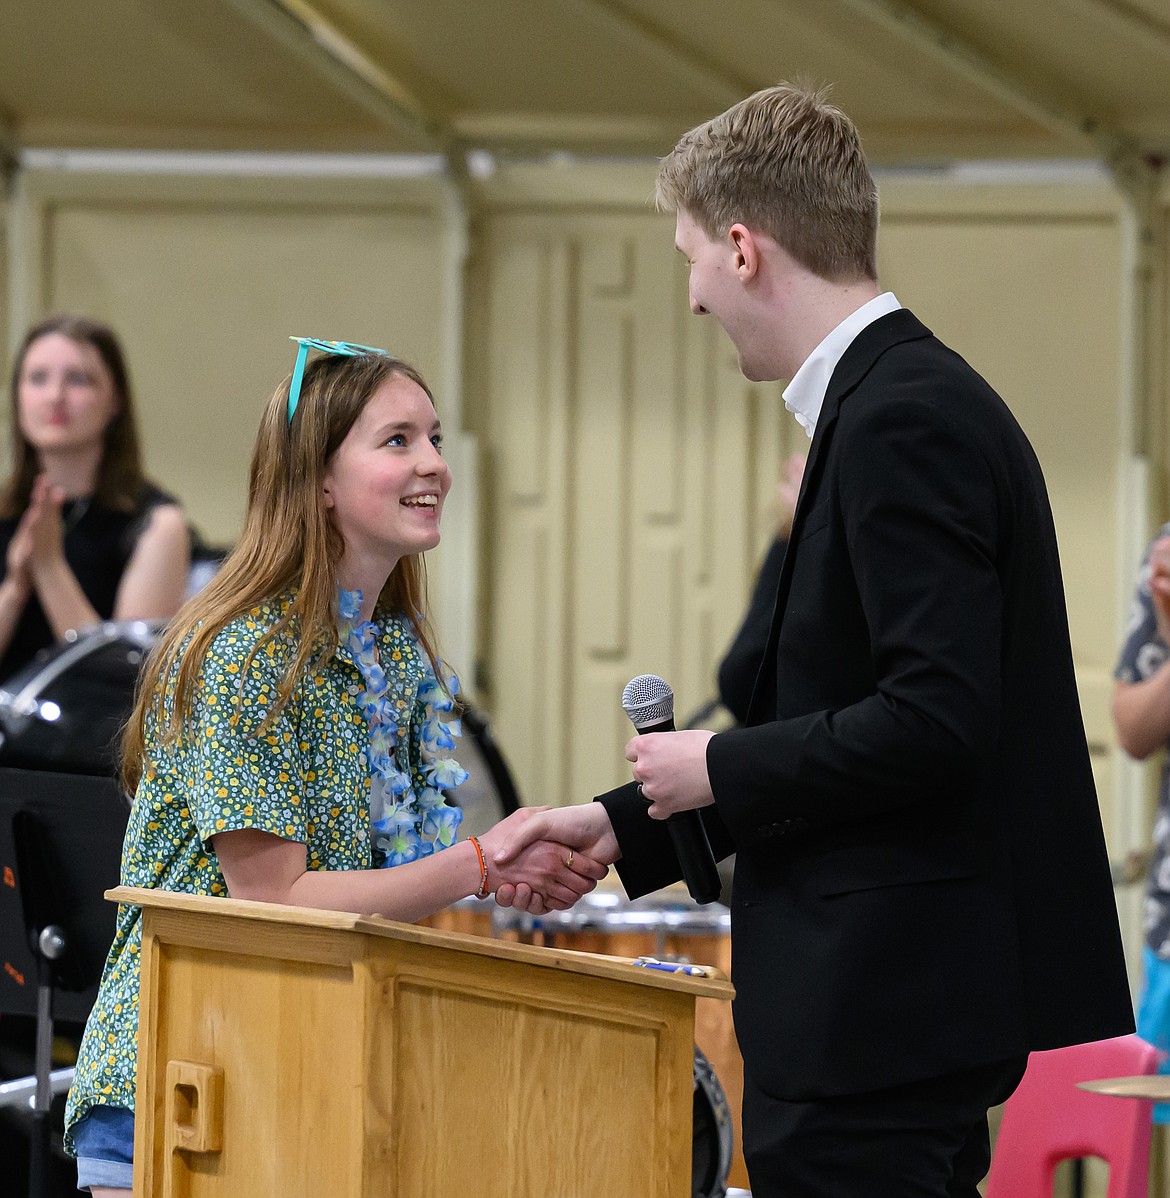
344	349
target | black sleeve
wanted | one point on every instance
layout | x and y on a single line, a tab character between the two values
648	862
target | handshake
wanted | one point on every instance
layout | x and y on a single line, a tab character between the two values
545	858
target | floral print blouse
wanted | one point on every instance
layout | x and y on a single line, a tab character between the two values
367	729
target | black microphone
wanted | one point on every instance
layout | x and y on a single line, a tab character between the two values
649	702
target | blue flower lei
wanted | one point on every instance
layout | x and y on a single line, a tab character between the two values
405	826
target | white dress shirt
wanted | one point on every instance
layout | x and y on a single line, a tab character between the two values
805	394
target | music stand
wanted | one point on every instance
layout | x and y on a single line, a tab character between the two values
60	850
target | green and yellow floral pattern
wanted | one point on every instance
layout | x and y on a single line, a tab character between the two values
305	776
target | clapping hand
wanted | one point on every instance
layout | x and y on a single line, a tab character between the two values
39	539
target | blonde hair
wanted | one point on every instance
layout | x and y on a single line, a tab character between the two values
288	542
788	163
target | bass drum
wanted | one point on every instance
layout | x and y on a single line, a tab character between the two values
66	709
713	1142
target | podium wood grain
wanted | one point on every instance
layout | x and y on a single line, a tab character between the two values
714	1031
365	1058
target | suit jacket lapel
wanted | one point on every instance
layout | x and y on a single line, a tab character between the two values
857	361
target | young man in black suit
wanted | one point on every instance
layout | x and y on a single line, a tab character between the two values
921	892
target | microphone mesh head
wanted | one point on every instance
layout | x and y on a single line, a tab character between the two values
648	700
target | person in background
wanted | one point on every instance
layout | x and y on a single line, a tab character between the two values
1141	715
741	663
291	739
84	535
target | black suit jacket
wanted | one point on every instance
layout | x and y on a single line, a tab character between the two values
921	883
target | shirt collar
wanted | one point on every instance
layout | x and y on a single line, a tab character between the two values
805	394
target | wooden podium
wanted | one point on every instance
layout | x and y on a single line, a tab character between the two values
290	1052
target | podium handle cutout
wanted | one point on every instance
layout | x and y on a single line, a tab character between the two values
193	1117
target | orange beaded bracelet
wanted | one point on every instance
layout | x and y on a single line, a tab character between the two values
482	892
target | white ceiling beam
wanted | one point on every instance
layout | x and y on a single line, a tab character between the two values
1063	117
299	27
669	51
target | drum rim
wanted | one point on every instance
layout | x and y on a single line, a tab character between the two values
707	1081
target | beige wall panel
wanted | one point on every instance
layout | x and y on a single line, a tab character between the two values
522	275
659	419
667	461
522	549
1159	364
205	296
622	540
524	434
6	337
603	456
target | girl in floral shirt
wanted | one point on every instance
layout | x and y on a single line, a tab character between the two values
293	731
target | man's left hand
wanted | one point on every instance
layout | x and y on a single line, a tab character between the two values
672	768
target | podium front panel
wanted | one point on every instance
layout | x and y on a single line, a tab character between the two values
307	1056
546	1083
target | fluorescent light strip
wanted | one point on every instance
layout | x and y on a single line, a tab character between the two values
195	162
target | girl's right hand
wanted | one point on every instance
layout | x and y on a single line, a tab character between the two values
559	874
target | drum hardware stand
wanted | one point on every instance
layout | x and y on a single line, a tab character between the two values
46	926
21	1091
51	947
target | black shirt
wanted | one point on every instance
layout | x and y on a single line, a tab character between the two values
741	663
99	542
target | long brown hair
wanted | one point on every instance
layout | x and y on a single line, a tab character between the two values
288	542
120	479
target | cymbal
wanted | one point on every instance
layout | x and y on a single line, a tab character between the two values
1154	1086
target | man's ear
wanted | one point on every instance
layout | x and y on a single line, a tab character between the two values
746	248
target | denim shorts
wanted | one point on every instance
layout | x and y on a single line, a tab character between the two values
104	1142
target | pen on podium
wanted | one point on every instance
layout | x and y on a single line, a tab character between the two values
694	971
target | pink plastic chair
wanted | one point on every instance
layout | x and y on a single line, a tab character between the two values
1048	1120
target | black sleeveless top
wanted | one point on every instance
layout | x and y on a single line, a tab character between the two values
99	542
